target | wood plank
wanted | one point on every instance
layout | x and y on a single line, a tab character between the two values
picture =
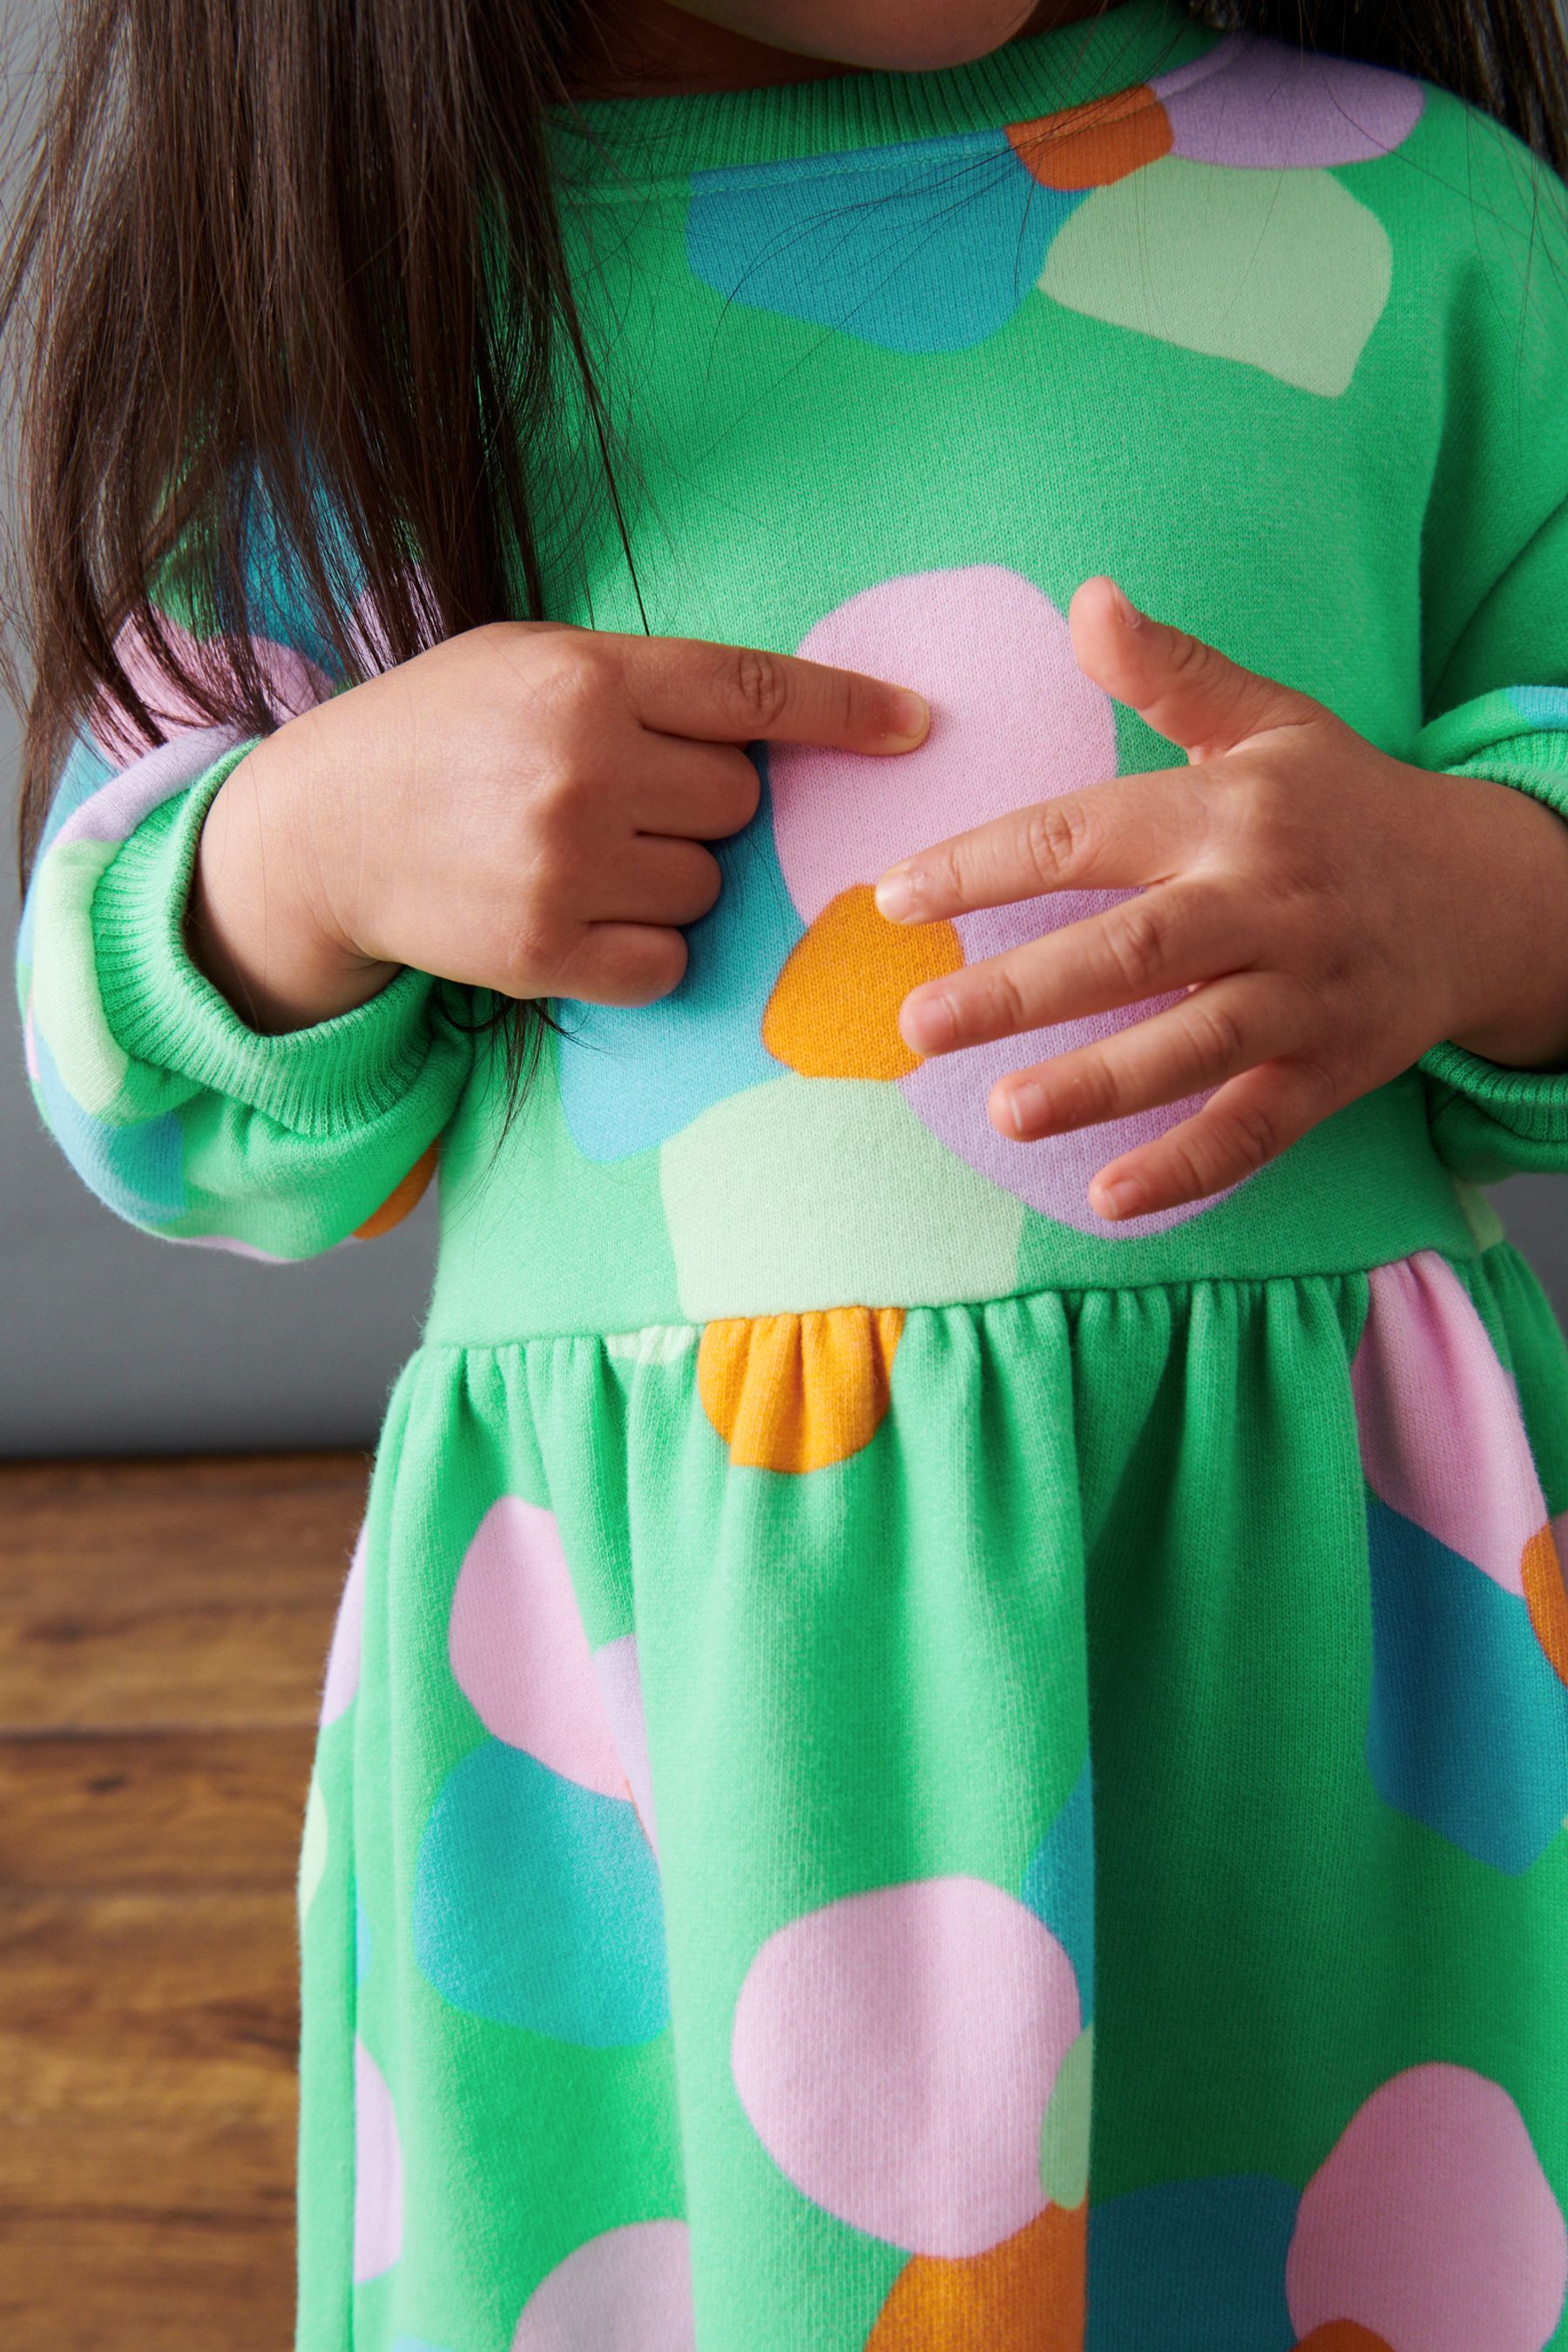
153	1810
136	2282
150	1669
176	1534
163	1629
148	2046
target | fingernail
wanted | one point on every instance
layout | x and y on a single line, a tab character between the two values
927	1024
1127	611
1027	1108
911	717
896	894
1125	1198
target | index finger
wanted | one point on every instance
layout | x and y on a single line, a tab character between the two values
1125	834
733	694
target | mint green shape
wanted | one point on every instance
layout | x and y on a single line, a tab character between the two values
1283	270
67	1004
1064	2132
808	1192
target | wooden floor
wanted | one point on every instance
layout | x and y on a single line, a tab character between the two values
163	1629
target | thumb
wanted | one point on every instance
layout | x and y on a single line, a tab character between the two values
1186	690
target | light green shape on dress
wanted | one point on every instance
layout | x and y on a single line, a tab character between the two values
778	1199
1165	251
1065	2131
67	1006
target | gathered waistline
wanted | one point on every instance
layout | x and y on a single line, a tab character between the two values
641	1342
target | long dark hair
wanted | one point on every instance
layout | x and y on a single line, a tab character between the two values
307	252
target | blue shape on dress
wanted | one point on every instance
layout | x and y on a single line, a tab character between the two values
1469	1728
1540	706
136	1170
1192	2266
1059	1885
632	1076
927	244
537	1903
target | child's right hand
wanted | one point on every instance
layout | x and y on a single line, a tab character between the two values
519	808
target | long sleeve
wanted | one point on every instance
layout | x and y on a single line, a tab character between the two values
179	1117
1495	592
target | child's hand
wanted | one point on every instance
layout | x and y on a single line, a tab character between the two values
1333	912
521	808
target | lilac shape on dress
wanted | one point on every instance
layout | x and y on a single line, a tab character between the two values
1260	104
950	1092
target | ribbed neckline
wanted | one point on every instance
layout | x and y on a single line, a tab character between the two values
619	142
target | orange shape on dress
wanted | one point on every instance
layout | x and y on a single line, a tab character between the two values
1547	1595
1091	146
1027	2294
1343	2336
834	1012
798	1392
401	1199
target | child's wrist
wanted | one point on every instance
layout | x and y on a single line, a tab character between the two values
1518	1012
255	924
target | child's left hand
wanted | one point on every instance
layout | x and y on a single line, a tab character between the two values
1333	913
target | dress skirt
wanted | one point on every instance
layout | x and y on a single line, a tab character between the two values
999	1828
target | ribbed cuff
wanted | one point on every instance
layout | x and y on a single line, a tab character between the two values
1532	1104
338	1074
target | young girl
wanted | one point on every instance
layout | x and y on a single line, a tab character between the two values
950	1730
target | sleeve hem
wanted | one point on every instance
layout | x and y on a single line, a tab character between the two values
344	1072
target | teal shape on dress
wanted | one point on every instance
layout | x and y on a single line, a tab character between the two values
1468	1726
537	1903
632	1076
137	1171
414	2344
1059	1885
362	1938
927	244
1540	706
1192	2266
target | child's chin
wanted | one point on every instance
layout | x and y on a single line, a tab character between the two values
914	36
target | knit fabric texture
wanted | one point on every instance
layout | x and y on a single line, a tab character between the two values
902	1769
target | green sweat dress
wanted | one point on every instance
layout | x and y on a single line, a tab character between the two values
902	1770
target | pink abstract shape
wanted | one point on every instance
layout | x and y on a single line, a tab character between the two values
619	1674
378	2171
1431	2224
519	1650
1442	1440
233	1248
348	1629
293	683
627	2290
1013	719
1260	103
896	2051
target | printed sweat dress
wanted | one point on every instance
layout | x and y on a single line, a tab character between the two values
902	1770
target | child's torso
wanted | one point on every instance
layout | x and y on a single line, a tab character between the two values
889	407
